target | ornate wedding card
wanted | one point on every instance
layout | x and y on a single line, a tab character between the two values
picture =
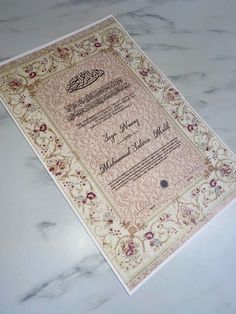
138	166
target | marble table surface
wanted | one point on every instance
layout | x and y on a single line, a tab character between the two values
48	263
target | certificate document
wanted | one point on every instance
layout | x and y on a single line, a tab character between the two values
138	166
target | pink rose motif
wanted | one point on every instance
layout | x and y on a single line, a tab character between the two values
63	53
29	69
226	170
57	167
97	45
43	127
113	38
130	250
15	84
149	235
32	74
190	127
170	94
144	72
213	183
91	195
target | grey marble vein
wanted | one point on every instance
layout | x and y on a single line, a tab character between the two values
187	78
164	47
44	226
55	287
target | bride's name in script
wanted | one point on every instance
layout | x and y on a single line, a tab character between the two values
122	128
110	137
126	125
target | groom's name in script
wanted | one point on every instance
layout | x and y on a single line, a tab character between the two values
161	129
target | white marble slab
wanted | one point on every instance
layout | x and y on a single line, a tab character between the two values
48	264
